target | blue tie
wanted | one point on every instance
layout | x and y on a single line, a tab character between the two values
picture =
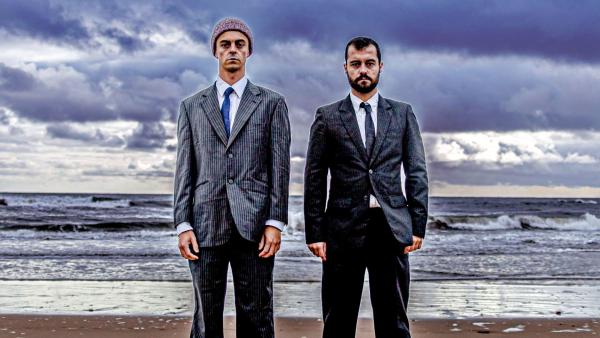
225	109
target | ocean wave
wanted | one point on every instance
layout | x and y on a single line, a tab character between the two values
85	202
295	221
578	201
104	198
586	222
151	203
100	226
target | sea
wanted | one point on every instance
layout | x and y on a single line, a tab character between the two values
120	237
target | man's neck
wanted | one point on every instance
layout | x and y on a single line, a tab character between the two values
364	96
231	78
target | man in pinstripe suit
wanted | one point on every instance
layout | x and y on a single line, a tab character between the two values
231	189
363	141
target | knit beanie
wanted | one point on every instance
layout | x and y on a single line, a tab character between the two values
230	24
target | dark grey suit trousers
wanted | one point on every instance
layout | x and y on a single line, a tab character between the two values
389	278
253	287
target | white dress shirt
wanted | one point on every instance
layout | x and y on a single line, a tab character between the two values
361	115
234	102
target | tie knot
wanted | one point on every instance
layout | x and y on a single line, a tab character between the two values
228	91
366	107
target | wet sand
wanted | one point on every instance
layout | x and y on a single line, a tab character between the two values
49	326
467	308
428	299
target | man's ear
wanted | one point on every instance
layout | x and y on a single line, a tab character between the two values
380	66
345	68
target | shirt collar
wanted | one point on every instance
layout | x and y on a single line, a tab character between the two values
238	87
373	101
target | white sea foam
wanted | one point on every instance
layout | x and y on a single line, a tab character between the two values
518	328
586	222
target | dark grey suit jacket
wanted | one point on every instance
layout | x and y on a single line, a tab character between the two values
336	146
249	170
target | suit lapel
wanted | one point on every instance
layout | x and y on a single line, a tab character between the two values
210	105
248	103
348	117
384	117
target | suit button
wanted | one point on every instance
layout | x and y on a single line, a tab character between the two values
371	171
366	198
230	155
230	181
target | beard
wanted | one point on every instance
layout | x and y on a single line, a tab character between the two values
355	84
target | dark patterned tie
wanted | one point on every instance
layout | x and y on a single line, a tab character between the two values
225	109
369	128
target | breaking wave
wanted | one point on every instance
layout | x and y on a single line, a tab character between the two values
586	222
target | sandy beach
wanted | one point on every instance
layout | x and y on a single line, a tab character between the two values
454	299
48	326
163	309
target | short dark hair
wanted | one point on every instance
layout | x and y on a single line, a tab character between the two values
361	42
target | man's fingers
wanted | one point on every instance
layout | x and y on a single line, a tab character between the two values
273	247
186	253
189	254
272	251
185	239
265	249
195	244
320	252
318	249
262	242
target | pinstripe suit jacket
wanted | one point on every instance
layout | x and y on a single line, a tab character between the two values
249	170
336	146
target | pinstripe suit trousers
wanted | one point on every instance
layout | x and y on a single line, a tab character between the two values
253	287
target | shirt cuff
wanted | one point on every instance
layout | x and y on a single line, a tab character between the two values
183	227
276	224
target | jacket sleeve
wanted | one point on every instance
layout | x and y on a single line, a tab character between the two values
185	170
280	163
416	185
315	181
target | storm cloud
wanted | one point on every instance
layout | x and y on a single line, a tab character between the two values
111	74
561	30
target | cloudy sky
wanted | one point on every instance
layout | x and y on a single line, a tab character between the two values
506	92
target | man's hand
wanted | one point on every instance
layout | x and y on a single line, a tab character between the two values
185	239
417	242
318	249
270	242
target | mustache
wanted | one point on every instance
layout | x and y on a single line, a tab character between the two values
363	77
